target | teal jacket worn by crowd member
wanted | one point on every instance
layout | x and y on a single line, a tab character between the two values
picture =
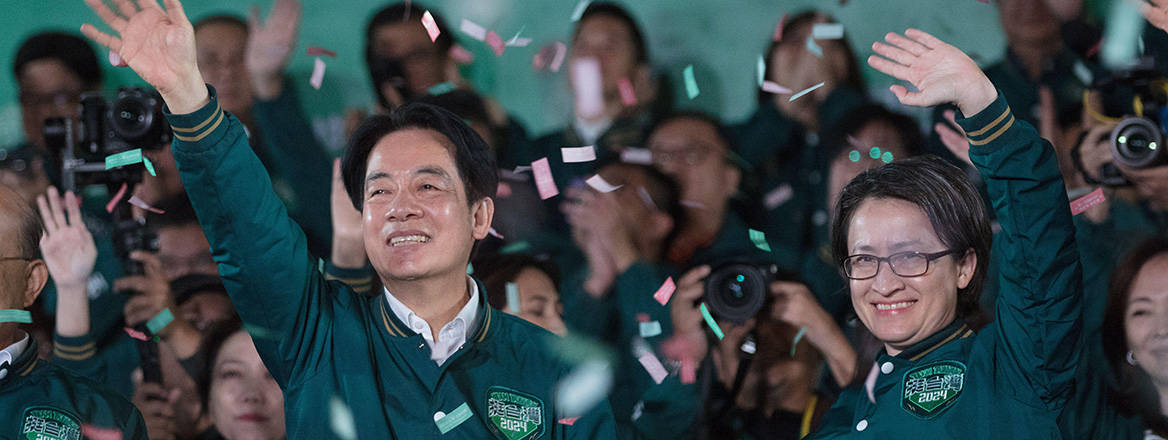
790	170
39	400
336	352
626	315
1011	379
297	163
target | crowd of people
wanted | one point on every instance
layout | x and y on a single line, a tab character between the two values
822	269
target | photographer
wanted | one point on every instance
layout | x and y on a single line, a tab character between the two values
760	379
38	397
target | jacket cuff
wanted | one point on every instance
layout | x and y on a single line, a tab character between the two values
195	127
76	348
989	124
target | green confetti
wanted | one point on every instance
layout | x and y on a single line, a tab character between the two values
814	48
650	329
16	315
886	157
691	84
455	418
160	321
441	88
149	165
854	156
761	70
469	269
804	92
341	419
798	336
124	158
759	240
874	152
515	248
711	322
258	332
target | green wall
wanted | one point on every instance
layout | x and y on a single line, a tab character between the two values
722	39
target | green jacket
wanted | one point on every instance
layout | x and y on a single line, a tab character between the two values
39	400
1011	379
330	347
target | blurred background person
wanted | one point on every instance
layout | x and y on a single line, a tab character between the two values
242	398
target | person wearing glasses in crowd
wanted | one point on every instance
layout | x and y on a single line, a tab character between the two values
913	238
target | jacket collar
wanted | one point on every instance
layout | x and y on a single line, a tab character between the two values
483	318
955	330
24	362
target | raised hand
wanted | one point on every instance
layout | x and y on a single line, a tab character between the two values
66	245
159	45
153	290
1156	13
941	73
348	243
269	46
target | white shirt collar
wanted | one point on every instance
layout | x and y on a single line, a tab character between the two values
590	132
452	335
10	353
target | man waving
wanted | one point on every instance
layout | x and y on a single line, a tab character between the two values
426	357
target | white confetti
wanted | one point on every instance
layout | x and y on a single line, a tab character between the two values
578	154
473	30
598	183
317	74
827	31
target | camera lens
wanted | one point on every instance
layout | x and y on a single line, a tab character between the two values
1137	143
736	291
131	117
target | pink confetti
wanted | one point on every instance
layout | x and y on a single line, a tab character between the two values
116	60
317	78
688	373
495	233
568	421
779	29
97	433
773	87
665	291
628	96
496	43
134	200
543	179
1086	202
654	367
558	60
136	334
109	207
503	191
588	86
314	51
431	26
460	55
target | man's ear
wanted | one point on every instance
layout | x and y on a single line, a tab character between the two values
966	267
732	178
35	279
482	213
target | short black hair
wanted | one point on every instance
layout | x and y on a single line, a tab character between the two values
502	269
77	55
470	107
407	12
614	10
856	119
946	195
721	130
472	156
222	18
186	286
209	348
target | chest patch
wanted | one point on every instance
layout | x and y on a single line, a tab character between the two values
45	423
514	415
932	388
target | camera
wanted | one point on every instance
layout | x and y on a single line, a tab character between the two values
133	120
736	290
1139	97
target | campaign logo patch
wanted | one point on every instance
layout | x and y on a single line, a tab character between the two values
932	388
514	415
45	423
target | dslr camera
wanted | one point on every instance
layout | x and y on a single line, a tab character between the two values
133	120
736	290
1138	98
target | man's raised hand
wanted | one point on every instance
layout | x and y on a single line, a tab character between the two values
159	45
941	73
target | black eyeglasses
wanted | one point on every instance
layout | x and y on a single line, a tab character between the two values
905	264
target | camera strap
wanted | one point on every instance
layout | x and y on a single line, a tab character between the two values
745	358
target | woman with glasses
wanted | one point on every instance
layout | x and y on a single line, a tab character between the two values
913	239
